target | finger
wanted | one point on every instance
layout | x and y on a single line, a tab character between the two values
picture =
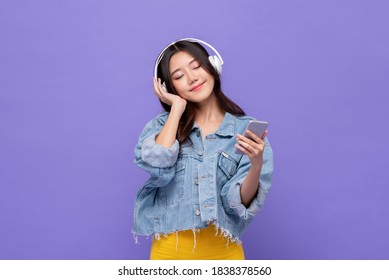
249	141
241	148
247	146
253	136
264	135
162	91
155	85
160	85
157	88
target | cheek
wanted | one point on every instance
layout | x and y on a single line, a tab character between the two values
209	78
178	86
211	82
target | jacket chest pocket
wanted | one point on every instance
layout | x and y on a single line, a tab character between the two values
227	167
174	191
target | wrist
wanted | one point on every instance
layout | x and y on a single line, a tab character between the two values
177	108
256	167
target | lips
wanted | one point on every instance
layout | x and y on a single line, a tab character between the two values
197	87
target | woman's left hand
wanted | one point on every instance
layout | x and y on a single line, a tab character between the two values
252	146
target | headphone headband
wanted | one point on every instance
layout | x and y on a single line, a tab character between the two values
194	40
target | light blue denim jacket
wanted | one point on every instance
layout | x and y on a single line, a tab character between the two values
197	182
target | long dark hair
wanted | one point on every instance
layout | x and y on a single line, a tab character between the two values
201	54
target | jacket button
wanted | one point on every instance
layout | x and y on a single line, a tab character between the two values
198	133
197	212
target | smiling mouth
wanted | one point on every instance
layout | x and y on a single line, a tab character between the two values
196	88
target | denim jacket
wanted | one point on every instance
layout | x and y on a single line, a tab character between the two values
197	182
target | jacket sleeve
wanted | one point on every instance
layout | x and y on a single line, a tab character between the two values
155	159
231	190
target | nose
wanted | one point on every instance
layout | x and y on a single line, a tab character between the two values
192	77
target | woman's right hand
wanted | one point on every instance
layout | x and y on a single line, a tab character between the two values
173	100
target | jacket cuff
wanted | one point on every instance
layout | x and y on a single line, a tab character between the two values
235	202
157	155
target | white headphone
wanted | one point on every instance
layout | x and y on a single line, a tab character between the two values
215	60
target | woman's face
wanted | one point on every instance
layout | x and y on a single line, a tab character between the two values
189	78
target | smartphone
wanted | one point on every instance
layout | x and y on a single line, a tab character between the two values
257	127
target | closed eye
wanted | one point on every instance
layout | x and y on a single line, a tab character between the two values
179	77
195	65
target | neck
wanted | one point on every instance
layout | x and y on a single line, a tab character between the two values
209	111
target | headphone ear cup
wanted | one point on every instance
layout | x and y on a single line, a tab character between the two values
164	87
216	63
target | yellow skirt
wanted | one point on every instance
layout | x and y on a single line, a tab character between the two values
198	245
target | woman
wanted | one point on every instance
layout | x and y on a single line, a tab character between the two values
201	195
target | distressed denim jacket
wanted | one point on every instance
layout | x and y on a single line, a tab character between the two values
197	182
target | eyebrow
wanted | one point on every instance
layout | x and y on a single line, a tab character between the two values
178	69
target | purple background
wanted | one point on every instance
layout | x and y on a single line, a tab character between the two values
76	90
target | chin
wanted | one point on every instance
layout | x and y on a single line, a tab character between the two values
200	99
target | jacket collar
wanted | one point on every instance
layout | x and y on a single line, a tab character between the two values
226	128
